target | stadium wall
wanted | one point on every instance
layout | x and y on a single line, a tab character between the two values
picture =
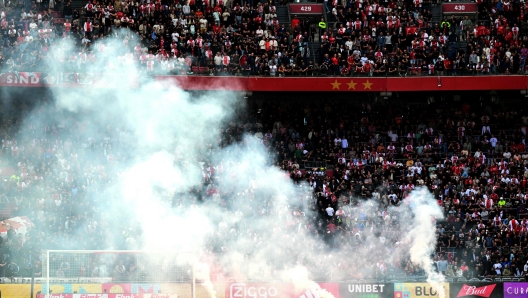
278	290
286	84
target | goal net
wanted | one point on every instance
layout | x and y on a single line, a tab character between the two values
123	274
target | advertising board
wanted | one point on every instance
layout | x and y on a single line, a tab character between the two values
279	290
117	290
366	290
476	289
110	296
274	289
515	289
418	290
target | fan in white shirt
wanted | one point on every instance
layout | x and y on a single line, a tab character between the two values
273	69
493	141
393	197
497	268
337	141
507	155
393	136
330	211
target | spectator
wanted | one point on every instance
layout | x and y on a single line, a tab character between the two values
442	266
330	211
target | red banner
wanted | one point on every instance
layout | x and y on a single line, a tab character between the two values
293	84
108	296
306	8
269	290
459	7
348	84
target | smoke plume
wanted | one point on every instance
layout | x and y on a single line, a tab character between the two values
421	236
159	168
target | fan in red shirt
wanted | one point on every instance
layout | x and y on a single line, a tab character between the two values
216	29
67	28
367	67
295	22
350	60
120	15
335	64
332	39
447	63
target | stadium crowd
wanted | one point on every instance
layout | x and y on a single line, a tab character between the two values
473	159
246	38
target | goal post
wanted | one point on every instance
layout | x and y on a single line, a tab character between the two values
165	273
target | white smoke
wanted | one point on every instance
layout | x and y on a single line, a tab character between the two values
303	283
164	143
421	236
203	275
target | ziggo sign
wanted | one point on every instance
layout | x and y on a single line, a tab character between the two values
278	290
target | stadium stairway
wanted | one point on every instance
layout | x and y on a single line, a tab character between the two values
78	4
56	17
5	210
462	44
314	51
436	11
283	15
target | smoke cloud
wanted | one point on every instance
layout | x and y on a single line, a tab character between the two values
157	168
421	238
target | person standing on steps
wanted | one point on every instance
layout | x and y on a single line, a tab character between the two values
322	24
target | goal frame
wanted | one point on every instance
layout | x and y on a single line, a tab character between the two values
48	252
